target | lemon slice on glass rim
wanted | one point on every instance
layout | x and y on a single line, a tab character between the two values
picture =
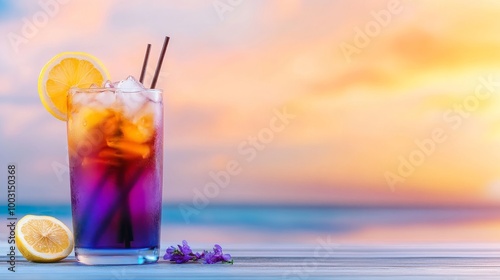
64	71
43	239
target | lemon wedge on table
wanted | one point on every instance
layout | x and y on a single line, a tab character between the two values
43	239
64	71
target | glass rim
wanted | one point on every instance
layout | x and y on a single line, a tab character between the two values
74	90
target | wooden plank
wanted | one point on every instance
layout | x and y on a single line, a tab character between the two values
292	262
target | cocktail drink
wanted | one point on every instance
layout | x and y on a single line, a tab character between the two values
115	141
115	145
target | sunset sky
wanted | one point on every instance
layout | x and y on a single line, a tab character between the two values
389	102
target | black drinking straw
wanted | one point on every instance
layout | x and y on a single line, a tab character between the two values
126	228
160	61
126	232
145	64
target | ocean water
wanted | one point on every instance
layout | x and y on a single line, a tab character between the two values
309	224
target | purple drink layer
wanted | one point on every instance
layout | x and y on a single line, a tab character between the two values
99	195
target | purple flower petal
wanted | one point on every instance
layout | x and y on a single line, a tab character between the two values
217	249
210	258
200	256
226	257
185	249
169	253
184	254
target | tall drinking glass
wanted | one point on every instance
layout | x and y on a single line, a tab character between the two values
115	141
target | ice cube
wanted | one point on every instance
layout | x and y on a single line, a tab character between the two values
110	126
132	102
80	99
141	127
154	95
129	85
108	84
140	130
86	119
129	149
105	98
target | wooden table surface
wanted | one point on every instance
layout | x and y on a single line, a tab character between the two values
453	262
